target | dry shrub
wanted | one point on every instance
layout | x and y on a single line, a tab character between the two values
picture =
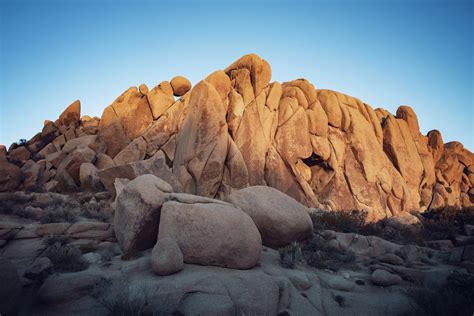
119	299
320	254
290	255
65	258
454	298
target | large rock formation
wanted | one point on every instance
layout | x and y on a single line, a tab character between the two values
236	128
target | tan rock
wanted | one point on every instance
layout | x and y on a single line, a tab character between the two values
56	158
330	104
180	85
68	169
71	115
202	142
317	119
160	99
260	71
211	233
114	137
407	114
279	218
143	89
33	175
59	142
292	138
435	141
253	138
155	142
221	82
88	176
104	161
80	142
10	176
134	151
19	155
132	110
166	257
137	213
156	166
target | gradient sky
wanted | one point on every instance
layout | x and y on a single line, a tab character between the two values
386	53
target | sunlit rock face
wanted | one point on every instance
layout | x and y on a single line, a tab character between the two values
236	128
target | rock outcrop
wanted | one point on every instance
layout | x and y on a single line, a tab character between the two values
236	128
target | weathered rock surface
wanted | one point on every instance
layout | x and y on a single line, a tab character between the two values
210	232
166	257
10	176
137	213
279	218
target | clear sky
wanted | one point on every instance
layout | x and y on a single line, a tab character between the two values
386	53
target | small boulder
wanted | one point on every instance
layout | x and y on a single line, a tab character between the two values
180	85
403	221
143	89
134	151
384	278
166	257
89	177
19	155
279	218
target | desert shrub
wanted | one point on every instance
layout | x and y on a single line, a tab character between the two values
57	216
65	258
93	210
25	212
118	298
12	203
340	221
444	223
454	298
51	240
290	255
106	254
340	300
320	254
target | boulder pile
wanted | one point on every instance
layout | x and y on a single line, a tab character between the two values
185	228
236	129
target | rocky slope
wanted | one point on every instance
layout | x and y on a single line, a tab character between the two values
236	129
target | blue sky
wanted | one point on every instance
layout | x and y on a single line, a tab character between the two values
386	53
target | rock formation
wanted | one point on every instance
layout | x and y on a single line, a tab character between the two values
236	129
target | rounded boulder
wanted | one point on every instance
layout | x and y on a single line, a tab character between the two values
180	85
279	218
211	233
166	257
